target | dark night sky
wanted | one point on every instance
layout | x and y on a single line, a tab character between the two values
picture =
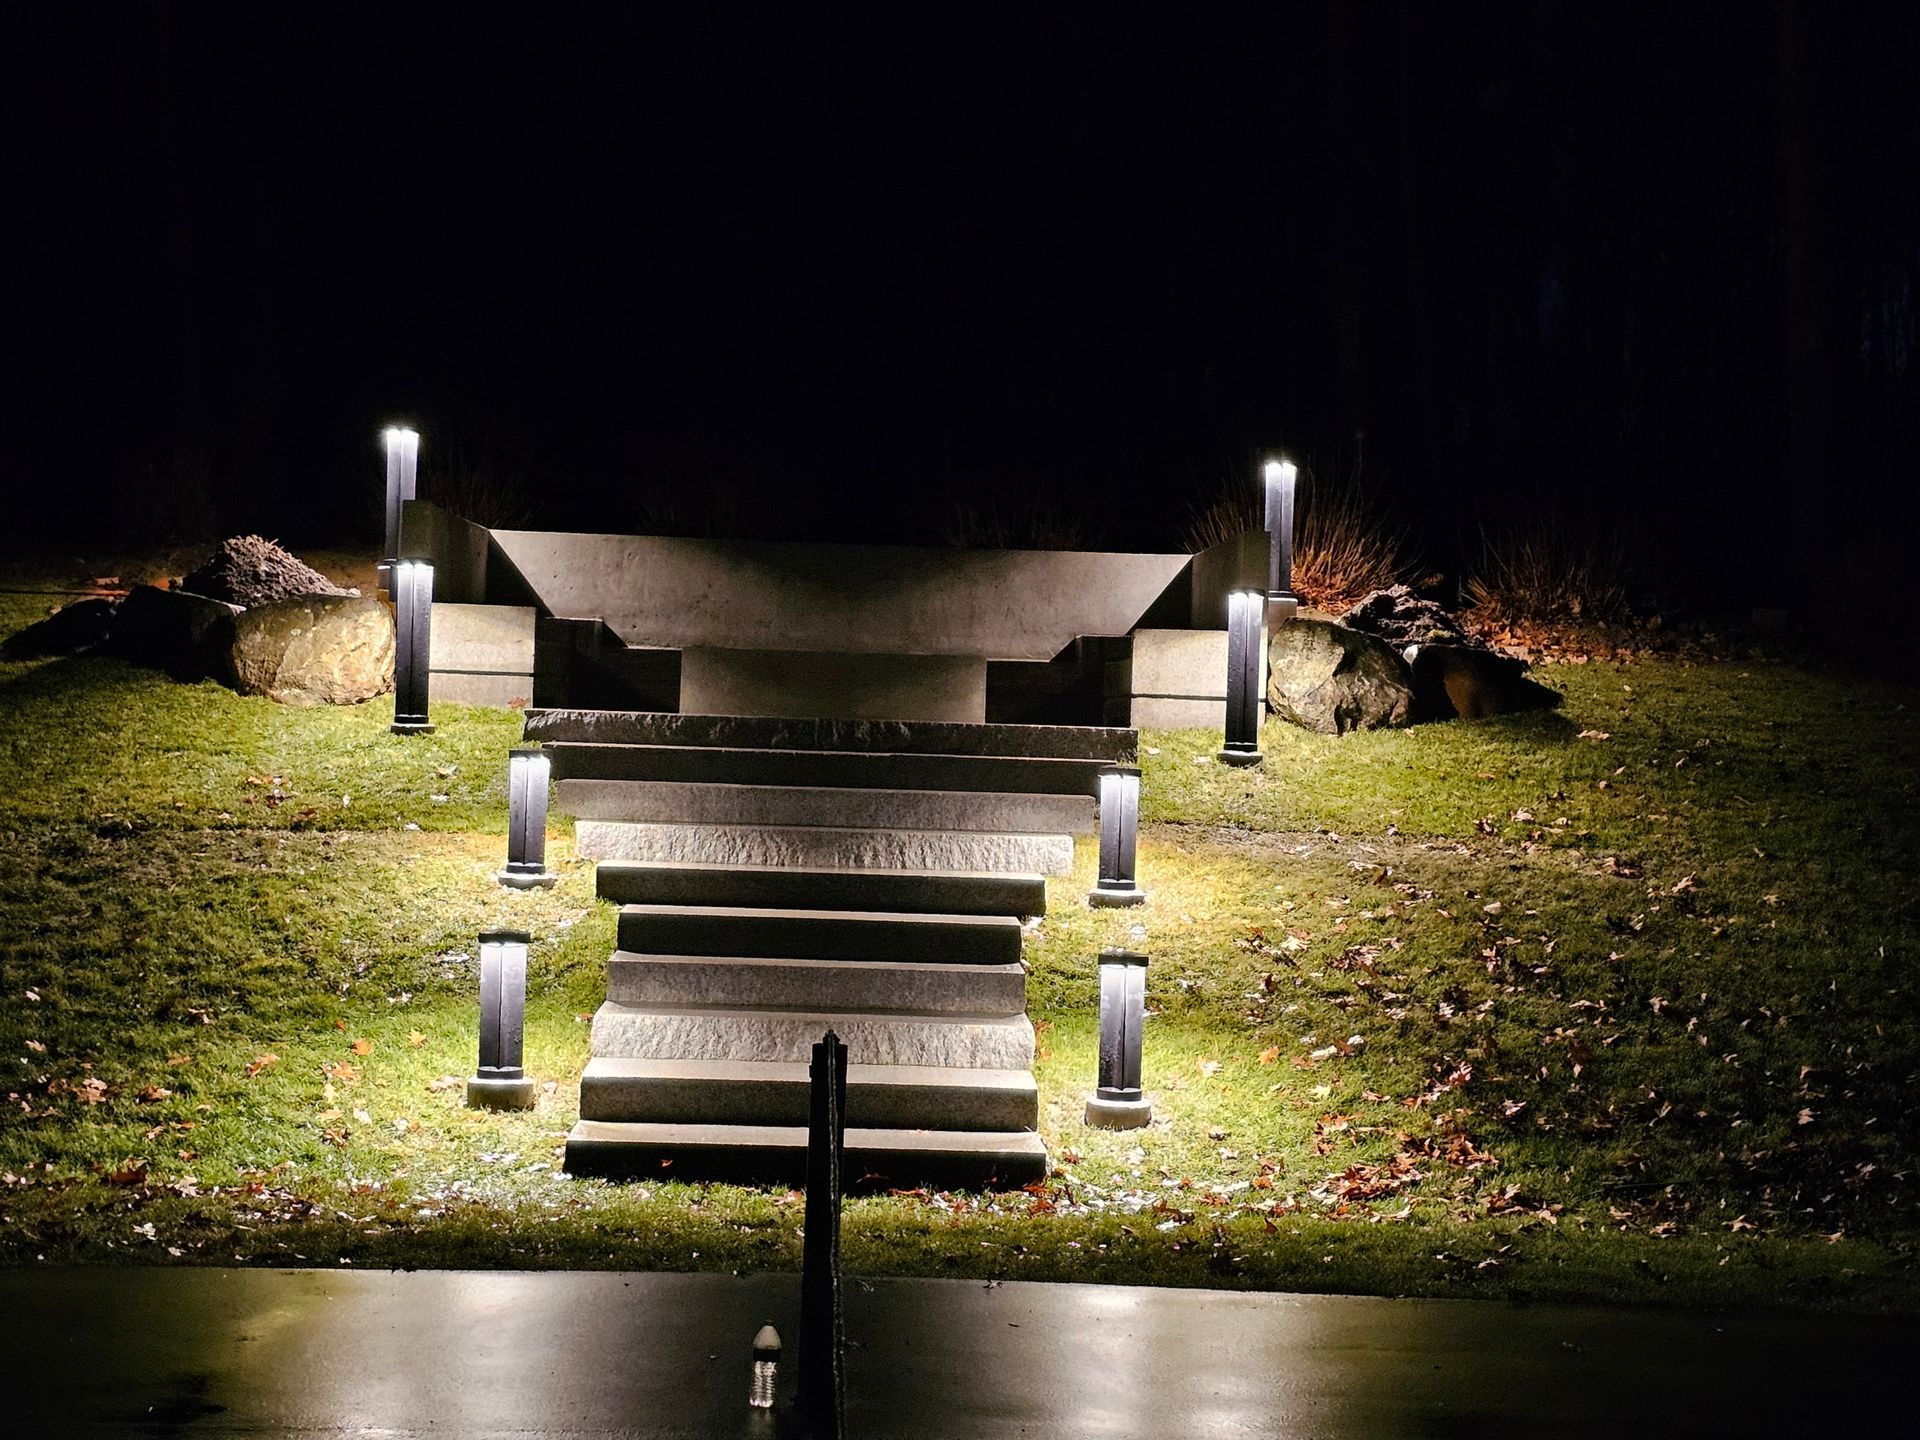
1647	262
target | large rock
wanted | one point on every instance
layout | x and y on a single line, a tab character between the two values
1332	679
250	570
1402	618
316	650
71	630
1468	683
185	635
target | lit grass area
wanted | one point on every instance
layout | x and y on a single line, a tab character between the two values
1478	1009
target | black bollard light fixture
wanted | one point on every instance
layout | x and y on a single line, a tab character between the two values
1281	478
412	623
1119	1103
1245	613
528	771
1119	830
403	472
500	1083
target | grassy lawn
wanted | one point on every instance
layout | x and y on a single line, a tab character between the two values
1605	1004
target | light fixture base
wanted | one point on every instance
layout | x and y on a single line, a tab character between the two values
1118	1114
488	1092
1102	898
528	879
412	727
1281	607
1240	757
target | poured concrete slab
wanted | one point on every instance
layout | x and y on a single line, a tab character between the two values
983	1042
874	599
1008	774
820	934
761	1154
766	1092
759	982
670	802
640	882
759	732
824	846
120	1351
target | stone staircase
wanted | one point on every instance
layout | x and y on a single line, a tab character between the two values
778	878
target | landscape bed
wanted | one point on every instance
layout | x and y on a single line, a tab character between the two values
1606	1003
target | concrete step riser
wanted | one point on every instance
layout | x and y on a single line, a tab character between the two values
820	935
825	847
1003	774
785	1102
663	802
924	737
816	985
757	1154
983	1043
639	883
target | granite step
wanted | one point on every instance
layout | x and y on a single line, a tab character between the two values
764	983
850	769
777	1154
690	1032
736	930
644	882
1111	745
670	802
767	1092
825	847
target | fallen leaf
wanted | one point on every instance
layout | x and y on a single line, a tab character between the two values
363	1047
259	1063
151	1094
1269	1055
416	1039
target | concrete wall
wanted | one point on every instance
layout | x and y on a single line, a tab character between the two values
841	599
854	687
481	654
1177	679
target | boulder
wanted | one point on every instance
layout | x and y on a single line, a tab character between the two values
71	630
184	635
1402	618
315	650
1468	683
1333	679
250	570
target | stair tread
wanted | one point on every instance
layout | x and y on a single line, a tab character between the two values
911	918
794	1137
825	1017
820	963
620	1067
836	871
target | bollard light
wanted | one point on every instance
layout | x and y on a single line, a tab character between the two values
403	471
1281	478
1119	829
1119	1103
500	1083
412	622
528	771
1245	612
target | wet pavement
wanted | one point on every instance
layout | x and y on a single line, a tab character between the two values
190	1352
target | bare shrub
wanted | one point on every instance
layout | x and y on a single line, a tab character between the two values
1018	519
475	486
1345	545
1551	573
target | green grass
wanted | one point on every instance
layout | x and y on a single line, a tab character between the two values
1631	1006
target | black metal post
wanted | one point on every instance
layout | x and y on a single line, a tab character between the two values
403	468
412	662
528	771
822	1329
1281	478
1119	833
501	1082
1244	615
1120	1103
